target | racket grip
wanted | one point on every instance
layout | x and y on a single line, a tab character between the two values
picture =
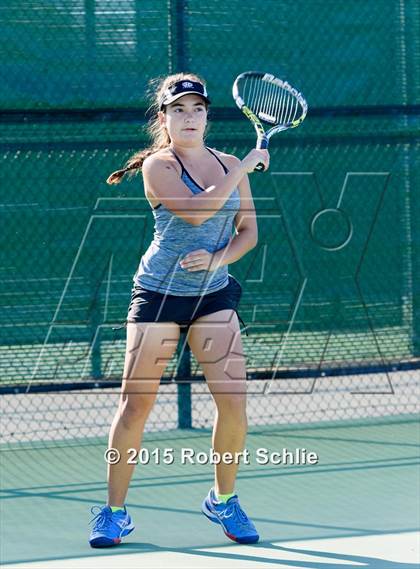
262	144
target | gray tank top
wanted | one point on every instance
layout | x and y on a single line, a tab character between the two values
173	238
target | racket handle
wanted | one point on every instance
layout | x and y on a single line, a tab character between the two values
262	144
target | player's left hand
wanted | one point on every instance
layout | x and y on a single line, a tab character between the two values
199	260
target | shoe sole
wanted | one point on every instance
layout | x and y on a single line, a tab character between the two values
107	542
213	518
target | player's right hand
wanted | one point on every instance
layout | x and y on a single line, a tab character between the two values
255	157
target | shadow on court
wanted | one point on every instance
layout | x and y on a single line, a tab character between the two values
363	485
334	559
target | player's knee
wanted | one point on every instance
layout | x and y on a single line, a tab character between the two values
233	404
136	410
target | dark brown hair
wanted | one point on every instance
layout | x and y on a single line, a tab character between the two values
157	132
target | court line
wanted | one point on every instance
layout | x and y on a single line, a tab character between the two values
290	548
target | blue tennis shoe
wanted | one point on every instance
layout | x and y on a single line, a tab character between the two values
108	527
231	517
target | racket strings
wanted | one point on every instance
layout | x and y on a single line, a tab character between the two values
268	100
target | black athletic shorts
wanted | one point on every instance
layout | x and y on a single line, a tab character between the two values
151	306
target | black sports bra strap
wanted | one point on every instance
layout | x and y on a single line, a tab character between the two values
218	159
181	164
211	152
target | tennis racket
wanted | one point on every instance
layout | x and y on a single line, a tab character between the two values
263	98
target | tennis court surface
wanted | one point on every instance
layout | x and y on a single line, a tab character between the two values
356	507
331	292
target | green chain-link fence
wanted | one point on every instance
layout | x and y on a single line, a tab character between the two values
331	293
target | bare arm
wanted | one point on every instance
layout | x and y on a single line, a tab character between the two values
164	183
246	227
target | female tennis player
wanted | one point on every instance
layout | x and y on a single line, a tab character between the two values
182	281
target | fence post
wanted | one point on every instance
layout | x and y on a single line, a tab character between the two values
177	56
90	53
183	378
415	253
